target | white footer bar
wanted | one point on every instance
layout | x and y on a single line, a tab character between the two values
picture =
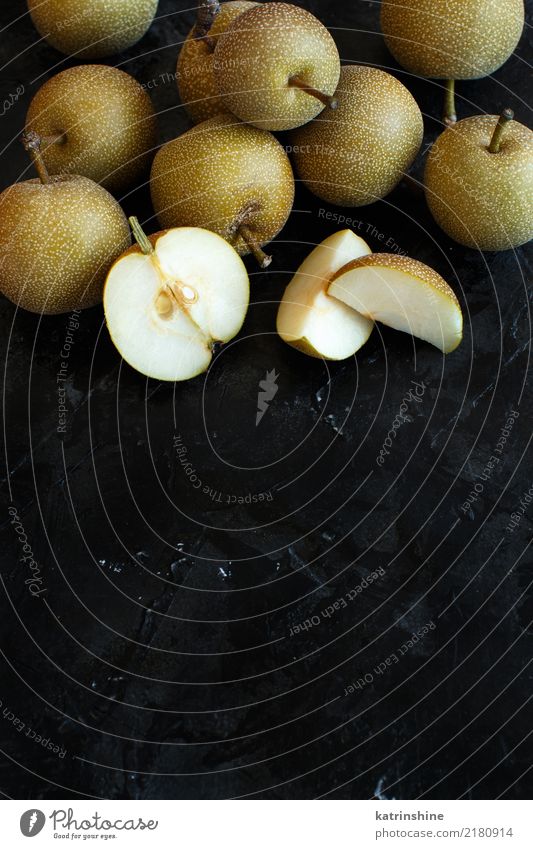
267	824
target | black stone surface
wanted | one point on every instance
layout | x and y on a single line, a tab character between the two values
160	658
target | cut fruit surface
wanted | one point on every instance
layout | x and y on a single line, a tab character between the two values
402	293
308	318
166	308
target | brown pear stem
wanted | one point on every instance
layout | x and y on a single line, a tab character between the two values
140	236
326	99
450	115
32	143
254	247
497	136
207	12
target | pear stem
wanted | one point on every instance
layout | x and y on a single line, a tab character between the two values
207	12
326	99
497	136
140	236
450	115
32	144
254	247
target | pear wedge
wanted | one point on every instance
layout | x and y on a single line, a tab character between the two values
308	318
403	293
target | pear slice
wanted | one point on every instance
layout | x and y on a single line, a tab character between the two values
311	321
402	293
168	300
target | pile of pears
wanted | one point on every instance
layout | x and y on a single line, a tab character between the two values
246	71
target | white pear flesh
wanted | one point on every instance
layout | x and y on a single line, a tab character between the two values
166	309
404	294
308	318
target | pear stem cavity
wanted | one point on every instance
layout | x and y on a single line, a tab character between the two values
140	236
207	12
32	143
254	247
497	136
57	138
450	115
326	99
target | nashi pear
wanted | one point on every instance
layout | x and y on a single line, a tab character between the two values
228	177
479	182
356	154
276	66
195	72
452	39
97	121
92	29
172	297
57	242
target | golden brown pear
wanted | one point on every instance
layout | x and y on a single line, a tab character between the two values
276	66
228	177
96	121
357	153
92	29
479	182
452	39
58	238
195	73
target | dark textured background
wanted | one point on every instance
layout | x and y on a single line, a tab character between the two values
160	656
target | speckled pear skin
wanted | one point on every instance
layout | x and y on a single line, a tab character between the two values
57	243
257	55
452	39
195	73
356	154
92	29
397	262
481	199
108	122
222	173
